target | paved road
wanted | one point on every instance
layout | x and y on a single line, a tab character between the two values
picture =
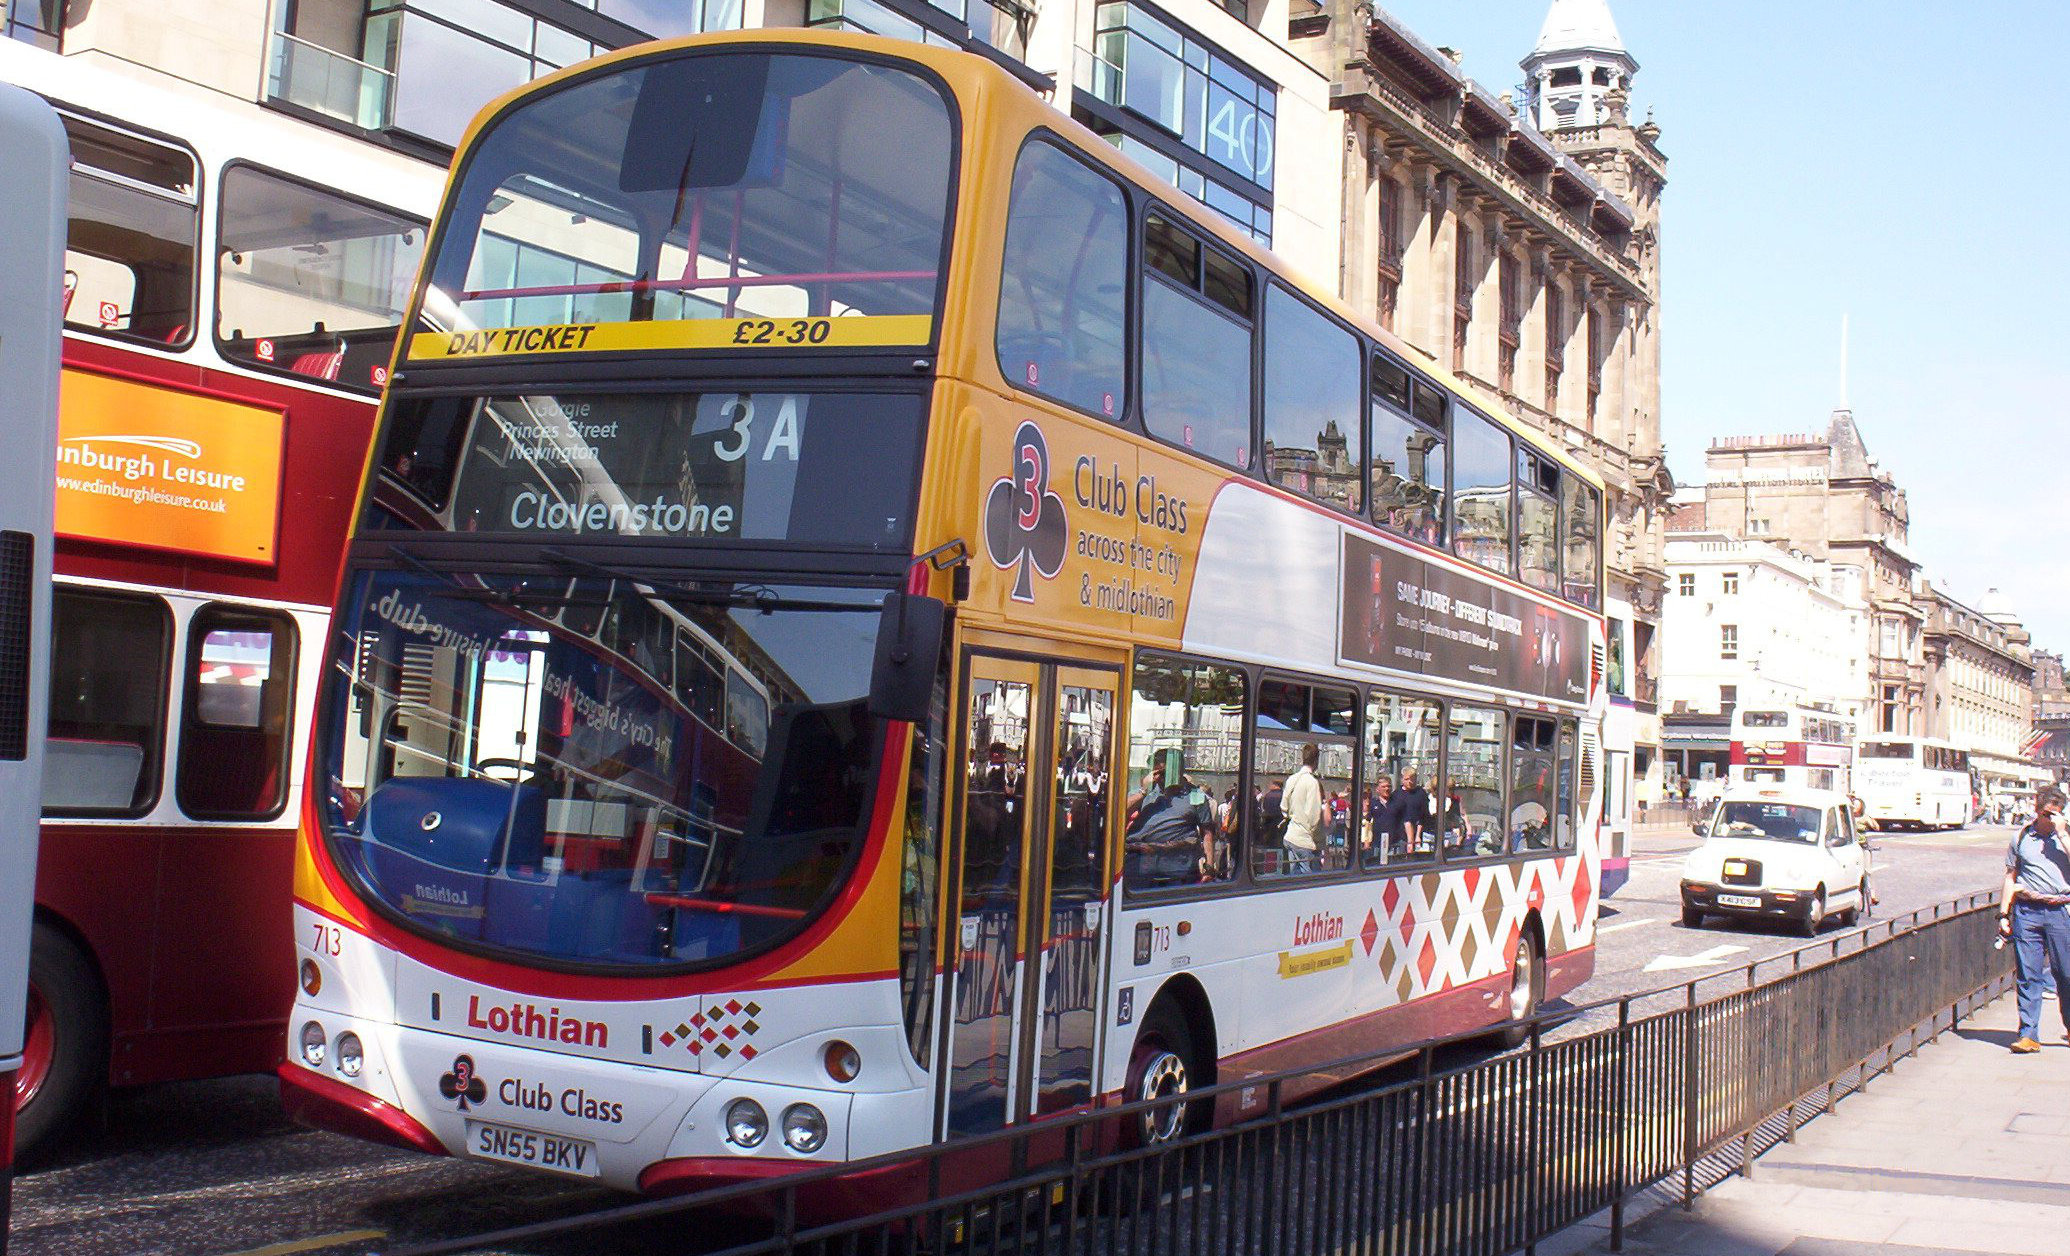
212	1168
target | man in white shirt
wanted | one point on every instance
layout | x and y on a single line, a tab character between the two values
1302	802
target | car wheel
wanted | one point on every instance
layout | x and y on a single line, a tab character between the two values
1161	1067
1692	917
65	1046
1814	914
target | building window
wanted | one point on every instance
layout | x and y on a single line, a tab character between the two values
1391	224
1462	295
1510	278
1728	641
1207	120
1685	584
1728	698
38	22
1596	343
1890	708
1731	582
1758	527
1003	26
1555	345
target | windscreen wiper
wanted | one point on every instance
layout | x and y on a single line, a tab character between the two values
758	597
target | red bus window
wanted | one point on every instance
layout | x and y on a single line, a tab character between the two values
109	663
234	734
130	245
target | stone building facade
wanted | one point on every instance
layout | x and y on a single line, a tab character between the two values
1822	495
1513	238
1980	686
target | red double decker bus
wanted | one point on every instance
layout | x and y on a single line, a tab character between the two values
229	317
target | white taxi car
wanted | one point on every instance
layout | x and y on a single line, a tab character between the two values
1779	854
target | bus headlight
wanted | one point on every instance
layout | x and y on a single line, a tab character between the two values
746	1124
804	1128
313	1039
350	1056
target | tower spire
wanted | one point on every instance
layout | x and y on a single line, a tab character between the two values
1580	62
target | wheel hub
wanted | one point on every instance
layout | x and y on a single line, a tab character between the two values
1164	1077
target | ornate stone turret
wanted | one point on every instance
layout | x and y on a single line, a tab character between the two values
1580	73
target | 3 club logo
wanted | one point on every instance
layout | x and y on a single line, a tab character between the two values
462	1085
1024	519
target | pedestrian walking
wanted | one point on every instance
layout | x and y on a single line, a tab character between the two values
2034	911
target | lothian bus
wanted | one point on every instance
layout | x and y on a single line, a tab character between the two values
1914	783
1796	746
229	316
825	677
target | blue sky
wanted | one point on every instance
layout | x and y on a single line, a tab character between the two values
1898	162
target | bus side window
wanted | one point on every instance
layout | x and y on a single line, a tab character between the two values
132	236
109	669
1063	287
235	728
1313	428
1482	469
1196	345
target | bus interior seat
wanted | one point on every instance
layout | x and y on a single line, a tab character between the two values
448	836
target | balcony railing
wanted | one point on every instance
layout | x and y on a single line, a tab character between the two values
329	82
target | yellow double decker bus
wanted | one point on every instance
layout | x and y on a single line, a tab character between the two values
874	620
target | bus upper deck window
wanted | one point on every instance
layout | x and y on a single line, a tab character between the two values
131	236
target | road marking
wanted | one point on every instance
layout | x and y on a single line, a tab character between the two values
316	1244
1702	959
1629	924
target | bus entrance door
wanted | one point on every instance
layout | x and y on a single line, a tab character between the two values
1031	866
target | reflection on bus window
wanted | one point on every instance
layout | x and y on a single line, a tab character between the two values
1532	792
1312	420
1472	818
704	185
1581	526
235	736
1481	476
1185	728
1064	283
1406	461
309	281
131	237
584	810
110	661
1401	775
1302	728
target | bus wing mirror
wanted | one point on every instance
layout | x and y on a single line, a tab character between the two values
909	647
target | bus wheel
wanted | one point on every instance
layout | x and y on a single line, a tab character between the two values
1526	990
1161	1067
66	1042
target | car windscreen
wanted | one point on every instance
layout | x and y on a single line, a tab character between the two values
1771	821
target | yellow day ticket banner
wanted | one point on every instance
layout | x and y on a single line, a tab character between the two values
858	332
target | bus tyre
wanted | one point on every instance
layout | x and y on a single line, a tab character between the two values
1526	990
1814	914
1160	1067
65	1044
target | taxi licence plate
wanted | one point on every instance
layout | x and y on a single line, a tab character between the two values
532	1149
1739	900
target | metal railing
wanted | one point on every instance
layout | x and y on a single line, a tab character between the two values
329	82
1676	1088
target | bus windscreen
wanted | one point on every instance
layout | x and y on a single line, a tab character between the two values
596	771
744	199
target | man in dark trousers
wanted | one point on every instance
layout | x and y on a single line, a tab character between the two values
2034	911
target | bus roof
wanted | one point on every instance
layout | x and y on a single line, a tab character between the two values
975	79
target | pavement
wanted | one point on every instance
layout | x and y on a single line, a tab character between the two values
1963	1147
